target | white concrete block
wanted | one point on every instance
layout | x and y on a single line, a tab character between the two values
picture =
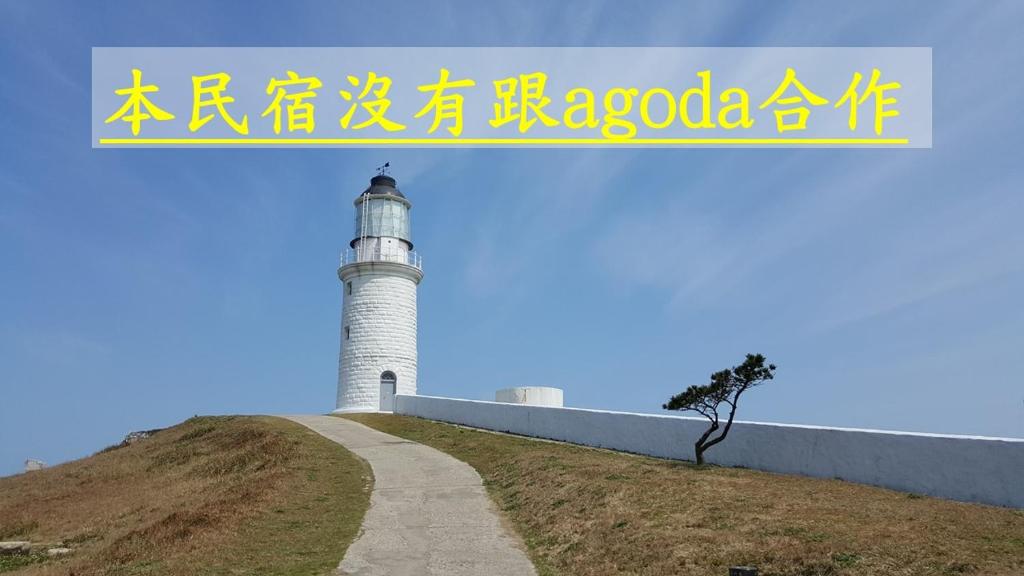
530	395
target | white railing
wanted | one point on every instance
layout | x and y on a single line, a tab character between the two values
352	256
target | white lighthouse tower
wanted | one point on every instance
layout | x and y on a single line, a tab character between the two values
379	275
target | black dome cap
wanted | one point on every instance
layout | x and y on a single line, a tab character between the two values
381	185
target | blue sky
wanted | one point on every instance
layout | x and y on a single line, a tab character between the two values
141	287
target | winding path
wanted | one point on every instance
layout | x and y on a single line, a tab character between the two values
429	513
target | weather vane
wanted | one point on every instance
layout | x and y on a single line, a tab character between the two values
383	170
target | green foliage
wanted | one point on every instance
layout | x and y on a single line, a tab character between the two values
10	563
724	384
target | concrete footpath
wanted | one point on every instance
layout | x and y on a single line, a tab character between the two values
429	513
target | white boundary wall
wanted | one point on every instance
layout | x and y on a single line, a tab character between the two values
967	468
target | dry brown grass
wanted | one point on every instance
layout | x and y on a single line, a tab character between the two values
591	512
213	495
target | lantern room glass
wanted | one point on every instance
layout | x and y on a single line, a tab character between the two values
384	217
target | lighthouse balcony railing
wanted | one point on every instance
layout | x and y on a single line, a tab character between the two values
352	256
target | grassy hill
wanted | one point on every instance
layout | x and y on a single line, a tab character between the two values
213	495
260	495
592	512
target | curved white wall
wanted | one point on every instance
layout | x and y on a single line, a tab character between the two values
530	395
380	315
968	468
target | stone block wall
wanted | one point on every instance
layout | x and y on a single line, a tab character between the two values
378	333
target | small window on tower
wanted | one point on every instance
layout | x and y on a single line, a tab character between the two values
348	288
347	331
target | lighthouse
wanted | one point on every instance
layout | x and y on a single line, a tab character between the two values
379	275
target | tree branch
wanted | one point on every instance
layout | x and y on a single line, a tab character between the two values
728	425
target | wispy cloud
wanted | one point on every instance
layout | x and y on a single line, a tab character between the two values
561	195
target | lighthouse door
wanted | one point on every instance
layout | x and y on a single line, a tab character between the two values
388	382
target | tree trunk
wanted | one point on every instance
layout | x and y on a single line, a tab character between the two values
698	450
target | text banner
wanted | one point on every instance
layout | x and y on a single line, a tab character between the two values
551	97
